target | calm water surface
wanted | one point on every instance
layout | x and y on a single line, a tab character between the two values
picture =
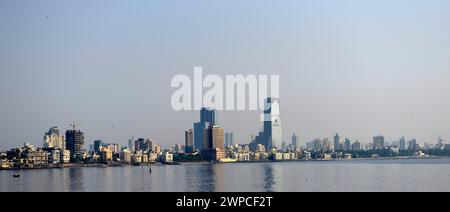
389	175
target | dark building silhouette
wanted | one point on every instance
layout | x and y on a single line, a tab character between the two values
189	141
74	143
207	117
213	143
97	145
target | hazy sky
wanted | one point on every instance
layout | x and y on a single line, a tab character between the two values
355	67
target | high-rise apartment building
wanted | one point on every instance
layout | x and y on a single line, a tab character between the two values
378	142
213	143
272	124
402	143
207	117
74	142
189	141
53	139
295	142
337	142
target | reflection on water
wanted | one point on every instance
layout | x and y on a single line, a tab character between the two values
76	179
406	175
205	177
208	183
220	176
269	181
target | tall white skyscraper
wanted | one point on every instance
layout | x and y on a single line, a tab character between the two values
272	124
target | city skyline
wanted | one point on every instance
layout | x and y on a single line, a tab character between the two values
215	145
209	119
347	67
215	150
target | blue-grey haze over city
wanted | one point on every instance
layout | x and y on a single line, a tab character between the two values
359	68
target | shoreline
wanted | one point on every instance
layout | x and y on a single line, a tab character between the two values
64	166
343	160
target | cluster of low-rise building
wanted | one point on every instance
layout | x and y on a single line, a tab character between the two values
140	151
59	150
28	157
242	153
